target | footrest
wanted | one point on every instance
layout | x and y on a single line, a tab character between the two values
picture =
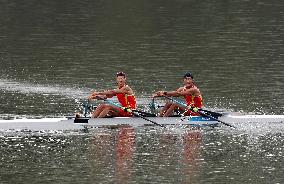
81	120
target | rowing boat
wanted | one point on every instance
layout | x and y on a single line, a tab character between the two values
71	123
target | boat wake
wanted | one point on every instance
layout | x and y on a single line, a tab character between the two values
29	88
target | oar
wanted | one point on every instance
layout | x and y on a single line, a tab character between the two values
198	111
206	115
129	110
211	113
145	113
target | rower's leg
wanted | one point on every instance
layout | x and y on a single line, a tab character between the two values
98	110
171	110
165	108
108	109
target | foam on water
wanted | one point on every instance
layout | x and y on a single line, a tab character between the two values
27	88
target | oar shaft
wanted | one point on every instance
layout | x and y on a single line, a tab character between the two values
138	115
206	115
147	114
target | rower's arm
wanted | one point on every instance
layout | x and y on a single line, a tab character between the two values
169	93
111	93
108	93
193	91
122	90
104	94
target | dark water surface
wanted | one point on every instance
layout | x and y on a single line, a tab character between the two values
148	155
53	53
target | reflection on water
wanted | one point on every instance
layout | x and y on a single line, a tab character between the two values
124	155
192	160
128	155
111	155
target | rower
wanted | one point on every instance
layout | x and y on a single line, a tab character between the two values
124	94
191	94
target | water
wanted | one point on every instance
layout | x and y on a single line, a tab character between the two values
128	155
53	53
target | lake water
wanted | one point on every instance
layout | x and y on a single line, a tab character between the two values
53	53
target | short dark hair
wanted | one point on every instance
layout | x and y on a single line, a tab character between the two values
188	74
120	74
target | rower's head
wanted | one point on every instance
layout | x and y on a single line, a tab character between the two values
188	79
120	78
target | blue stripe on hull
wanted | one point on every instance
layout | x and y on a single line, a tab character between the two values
200	118
198	121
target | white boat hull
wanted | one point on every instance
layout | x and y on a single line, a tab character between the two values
68	123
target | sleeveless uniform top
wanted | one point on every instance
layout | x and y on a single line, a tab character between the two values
193	101
128	101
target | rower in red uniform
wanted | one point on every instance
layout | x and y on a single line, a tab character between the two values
124	94
191	94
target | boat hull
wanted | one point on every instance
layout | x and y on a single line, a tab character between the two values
86	123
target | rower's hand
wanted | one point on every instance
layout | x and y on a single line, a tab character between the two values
100	97
160	93
154	95
97	96
194	109
92	96
125	109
